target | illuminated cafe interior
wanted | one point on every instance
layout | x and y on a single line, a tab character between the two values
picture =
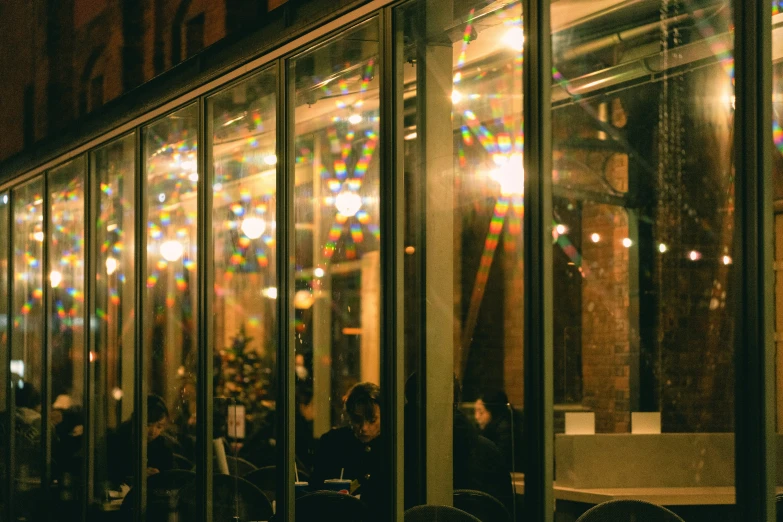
102	284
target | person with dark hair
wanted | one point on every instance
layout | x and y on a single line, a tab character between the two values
160	455
478	463
493	416
354	452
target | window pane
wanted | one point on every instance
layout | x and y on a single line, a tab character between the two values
113	362
462	143
244	211
66	335
643	233
170	348
337	262
27	350
5	427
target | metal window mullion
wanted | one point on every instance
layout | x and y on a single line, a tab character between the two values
755	440
10	391
392	223
139	385
205	276
89	286
538	373
46	377
285	284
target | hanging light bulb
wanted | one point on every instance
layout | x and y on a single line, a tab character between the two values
355	119
509	174
55	278
111	265
253	227
270	159
595	238
348	203
171	250
38	236
514	38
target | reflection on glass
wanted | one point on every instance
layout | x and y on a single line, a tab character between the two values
66	333
337	257
112	391
27	349
170	349
4	289
245	324
643	219
463	269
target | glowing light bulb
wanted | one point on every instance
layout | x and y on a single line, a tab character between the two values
55	278
270	292
171	250
727	260
117	394
318	272
694	255
354	119
193	177
253	227
509	174
662	248
270	160
111	265
303	299
561	229
514	38
348	203
627	243
38	236
456	97
595	238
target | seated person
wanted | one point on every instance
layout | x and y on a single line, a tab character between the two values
160	455
354	452
477	463
494	418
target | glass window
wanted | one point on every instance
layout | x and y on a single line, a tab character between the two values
777	195
5	426
112	392
27	345
66	335
337	264
460	75
170	343
643	235
244	210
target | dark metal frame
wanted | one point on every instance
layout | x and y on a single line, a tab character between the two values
539	380
286	450
755	440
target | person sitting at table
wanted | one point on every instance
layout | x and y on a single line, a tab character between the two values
477	463
354	452
160	455
493	415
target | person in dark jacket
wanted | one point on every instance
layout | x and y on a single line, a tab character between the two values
354	452
493	416
160	453
477	463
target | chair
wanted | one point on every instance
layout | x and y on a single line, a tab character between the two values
438	514
481	505
264	479
231	497
779	507
628	511
163	494
329	505
183	462
239	466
